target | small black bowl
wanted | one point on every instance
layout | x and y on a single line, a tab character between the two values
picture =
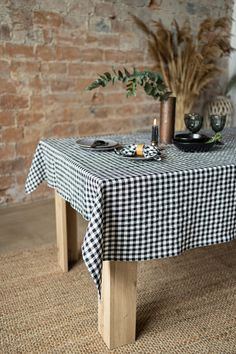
193	146
191	138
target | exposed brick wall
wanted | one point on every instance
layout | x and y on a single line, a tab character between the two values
50	50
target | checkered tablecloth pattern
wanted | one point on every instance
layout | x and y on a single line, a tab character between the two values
142	210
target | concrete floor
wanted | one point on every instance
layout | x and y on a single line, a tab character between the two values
31	225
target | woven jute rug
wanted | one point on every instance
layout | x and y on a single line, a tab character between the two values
186	304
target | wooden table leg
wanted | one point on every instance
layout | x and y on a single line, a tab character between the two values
117	307
66	229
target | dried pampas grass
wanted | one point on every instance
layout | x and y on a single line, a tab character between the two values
188	62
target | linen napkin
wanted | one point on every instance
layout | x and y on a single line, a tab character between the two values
148	151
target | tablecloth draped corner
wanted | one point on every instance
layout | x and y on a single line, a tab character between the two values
37	173
139	210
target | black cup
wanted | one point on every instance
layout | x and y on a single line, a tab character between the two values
218	122
193	122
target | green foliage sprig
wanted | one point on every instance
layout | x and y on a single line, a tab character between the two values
215	138
152	82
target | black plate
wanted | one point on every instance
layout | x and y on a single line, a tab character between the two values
194	147
87	143
191	138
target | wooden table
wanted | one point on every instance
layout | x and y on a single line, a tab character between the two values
117	306
136	211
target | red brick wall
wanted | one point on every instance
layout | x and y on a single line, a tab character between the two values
49	51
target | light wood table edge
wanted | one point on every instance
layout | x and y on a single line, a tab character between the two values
66	231
117	307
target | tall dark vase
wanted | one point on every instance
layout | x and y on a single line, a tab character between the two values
167	120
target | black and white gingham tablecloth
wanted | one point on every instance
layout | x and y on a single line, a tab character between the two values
142	210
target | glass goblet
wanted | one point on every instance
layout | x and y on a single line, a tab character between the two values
193	122
218	122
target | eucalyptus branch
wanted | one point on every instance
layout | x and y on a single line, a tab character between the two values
217	137
152	82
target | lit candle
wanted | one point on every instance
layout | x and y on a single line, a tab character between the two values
154	133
